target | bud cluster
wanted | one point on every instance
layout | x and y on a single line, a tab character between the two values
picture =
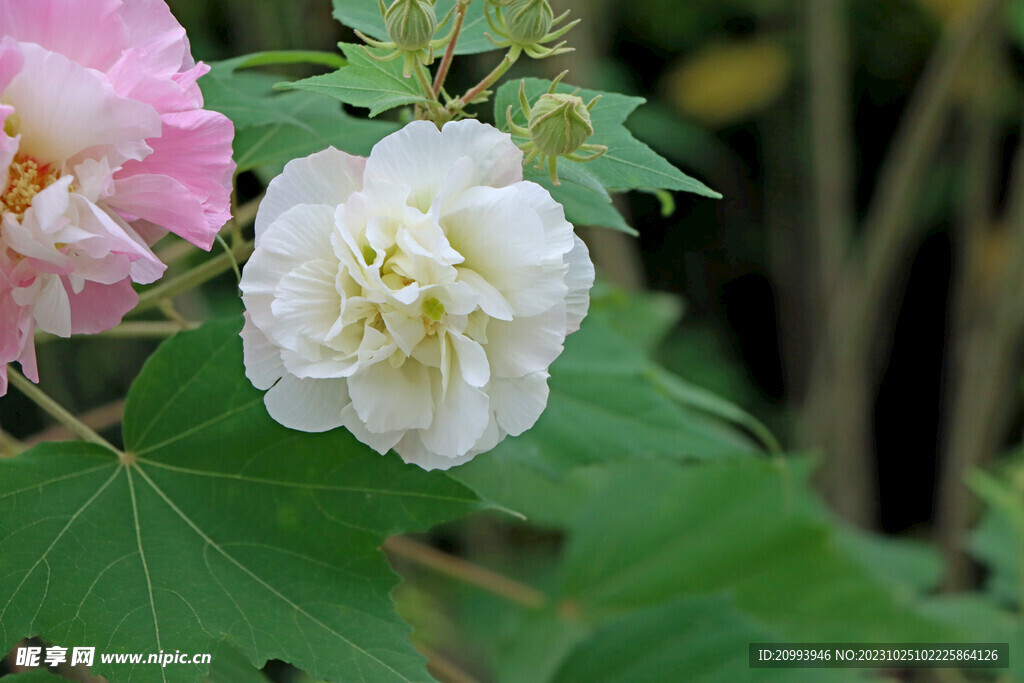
558	124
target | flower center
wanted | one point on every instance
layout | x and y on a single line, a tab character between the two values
26	178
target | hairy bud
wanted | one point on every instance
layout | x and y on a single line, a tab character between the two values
411	24
560	124
527	22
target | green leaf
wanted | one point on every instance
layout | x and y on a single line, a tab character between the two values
247	99
36	676
906	565
280	57
323	124
643	318
365	82
998	541
698	639
271	127
583	205
700	399
628	164
604	407
365	16
229	665
224	526
651	533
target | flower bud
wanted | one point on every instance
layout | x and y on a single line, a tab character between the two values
560	124
411	24
528	21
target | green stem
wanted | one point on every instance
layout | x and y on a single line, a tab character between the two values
145	329
56	410
157	329
510	58
449	52
435	111
191	279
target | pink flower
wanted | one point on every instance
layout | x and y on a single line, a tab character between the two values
104	147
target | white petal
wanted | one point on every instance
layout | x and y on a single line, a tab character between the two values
389	399
420	156
301	234
460	418
504	241
382	443
473	363
558	235
52	307
309	405
306	306
412	451
328	177
517	403
263	364
579	279
525	345
490	299
492	436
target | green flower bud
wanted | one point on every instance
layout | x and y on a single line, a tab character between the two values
411	24
528	21
560	124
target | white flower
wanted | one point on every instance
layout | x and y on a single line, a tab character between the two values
417	297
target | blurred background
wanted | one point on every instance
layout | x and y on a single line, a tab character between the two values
860	288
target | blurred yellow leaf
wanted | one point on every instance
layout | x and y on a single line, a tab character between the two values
945	10
725	82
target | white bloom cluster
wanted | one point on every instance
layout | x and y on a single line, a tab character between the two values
416	297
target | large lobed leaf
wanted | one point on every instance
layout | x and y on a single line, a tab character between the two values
272	128
365	82
225	526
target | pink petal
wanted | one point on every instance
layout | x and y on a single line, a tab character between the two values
65	110
194	149
89	32
99	307
164	201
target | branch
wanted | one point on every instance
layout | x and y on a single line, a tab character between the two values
97	419
57	411
831	149
202	273
449	52
424	555
889	227
443	668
